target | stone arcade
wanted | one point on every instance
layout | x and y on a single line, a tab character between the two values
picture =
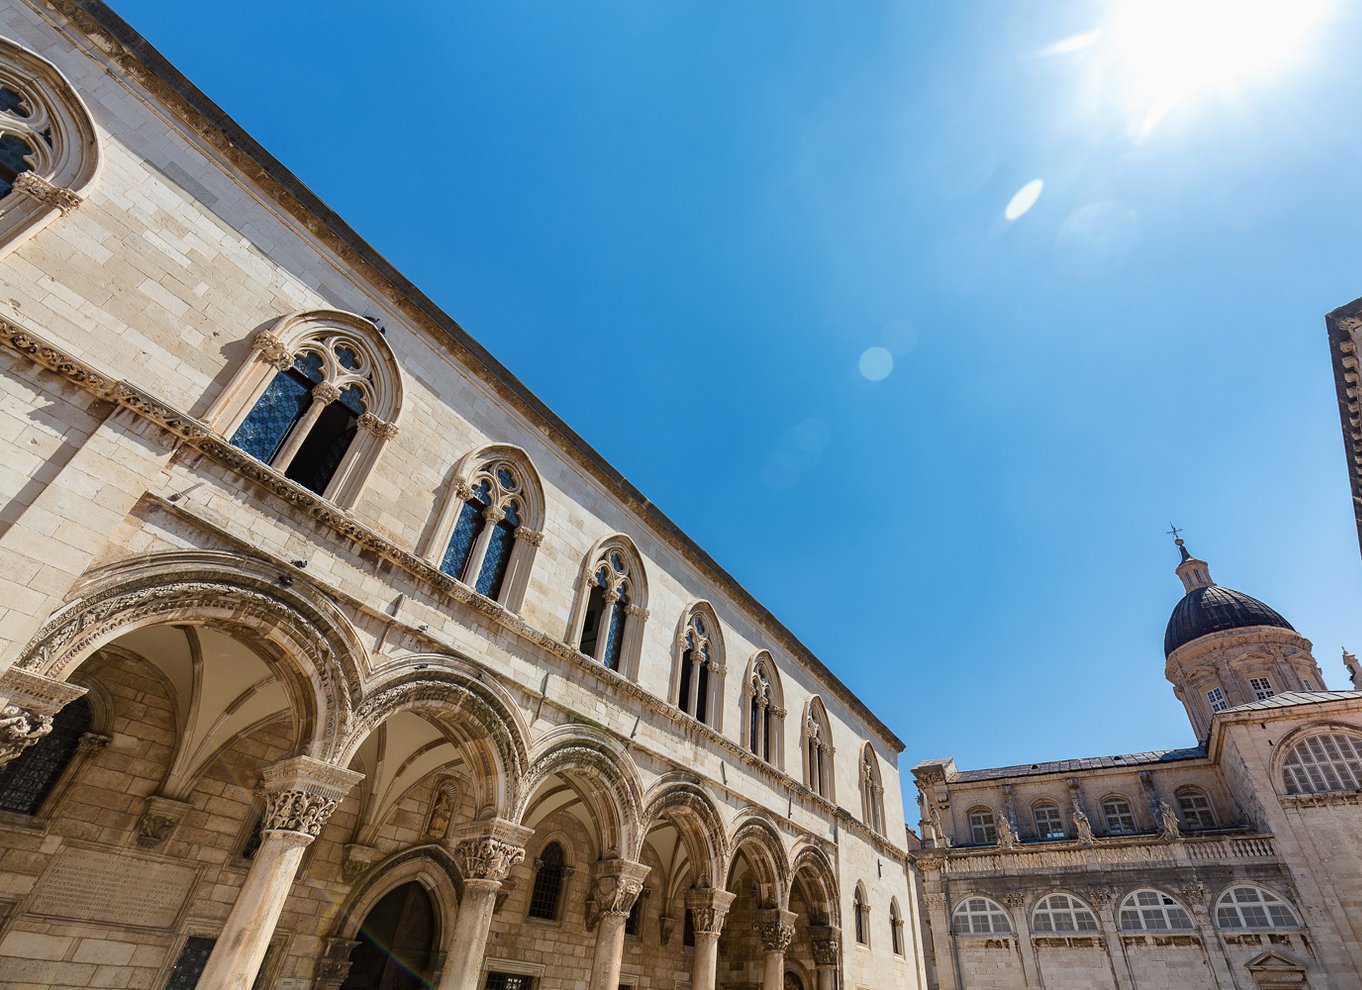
330	658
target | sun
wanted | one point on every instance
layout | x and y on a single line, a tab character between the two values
1167	52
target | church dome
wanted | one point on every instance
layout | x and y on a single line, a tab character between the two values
1211	608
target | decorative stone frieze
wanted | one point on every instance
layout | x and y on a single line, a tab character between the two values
775	928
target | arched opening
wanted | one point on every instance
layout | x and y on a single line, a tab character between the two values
758	879
396	942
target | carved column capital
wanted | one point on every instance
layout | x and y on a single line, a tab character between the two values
160	817
35	186
827	940
302	792
487	850
379	428
532	537
334	965
325	393
708	909
272	349
29	702
615	885
775	928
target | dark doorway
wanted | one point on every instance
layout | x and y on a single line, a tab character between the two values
395	942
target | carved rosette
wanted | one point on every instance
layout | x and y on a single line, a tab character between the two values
709	909
615	885
775	928
35	186
301	793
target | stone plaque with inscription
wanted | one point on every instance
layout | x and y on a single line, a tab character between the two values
114	888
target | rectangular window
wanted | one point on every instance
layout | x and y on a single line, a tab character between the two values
509	981
983	828
1119	818
189	967
1262	688
1217	700
1049	825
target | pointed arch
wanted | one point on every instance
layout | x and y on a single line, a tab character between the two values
895	927
611	605
306	640
860	914
812	870
490	522
872	790
757	837
817	750
318	401
49	144
470	707
764	710
602	774
698	665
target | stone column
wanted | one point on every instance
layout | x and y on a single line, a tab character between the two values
827	941
300	795
485	852
27	703
775	928
1103	900
1212	942
1015	902
708	911
615	885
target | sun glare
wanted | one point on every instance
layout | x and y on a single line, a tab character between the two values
1170	51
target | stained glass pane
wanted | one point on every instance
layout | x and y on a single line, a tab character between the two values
26	781
189	967
683	695
320	454
11	102
614	641
264	430
353	399
14	152
347	358
309	364
465	534
498	557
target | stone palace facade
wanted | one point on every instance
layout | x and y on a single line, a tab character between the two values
329	656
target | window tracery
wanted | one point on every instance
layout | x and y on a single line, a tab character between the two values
872	790
980	916
1062	913
817	748
317	403
1326	761
700	666
1251	907
611	606
765	710
1153	911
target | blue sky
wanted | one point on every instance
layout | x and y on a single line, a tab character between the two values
681	224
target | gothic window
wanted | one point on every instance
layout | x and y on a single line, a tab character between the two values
872	790
189	966
895	927
550	872
765	710
316	403
26	782
983	827
1251	907
1329	761
1194	807
1062	913
699	665
1262	688
1153	911
860	911
1118	816
611	606
1049	823
817	747
48	152
980	916
1217	699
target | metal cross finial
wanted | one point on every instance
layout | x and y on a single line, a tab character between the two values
1175	533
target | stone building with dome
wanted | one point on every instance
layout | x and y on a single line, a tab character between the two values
330	658
1232	864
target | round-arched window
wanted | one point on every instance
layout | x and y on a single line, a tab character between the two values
1329	761
980	916
1062	913
1153	911
1251	907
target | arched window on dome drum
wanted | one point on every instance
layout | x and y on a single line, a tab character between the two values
696	659
1153	911
26	781
1253	908
1062	913
980	916
479	549
607	610
550	872
1329	761
306	419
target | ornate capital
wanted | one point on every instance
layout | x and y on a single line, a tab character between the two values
531	536
826	942
29	702
775	928
1012	899
36	187
709	909
20	728
334	965
379	428
272	349
615	885
159	820
1101	895
325	393
636	612
301	793
1195	894
487	850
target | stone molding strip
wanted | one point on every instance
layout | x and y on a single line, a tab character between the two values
198	436
212	125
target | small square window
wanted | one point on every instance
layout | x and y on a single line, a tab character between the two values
1262	688
1217	700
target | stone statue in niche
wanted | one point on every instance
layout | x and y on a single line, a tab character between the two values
441	811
